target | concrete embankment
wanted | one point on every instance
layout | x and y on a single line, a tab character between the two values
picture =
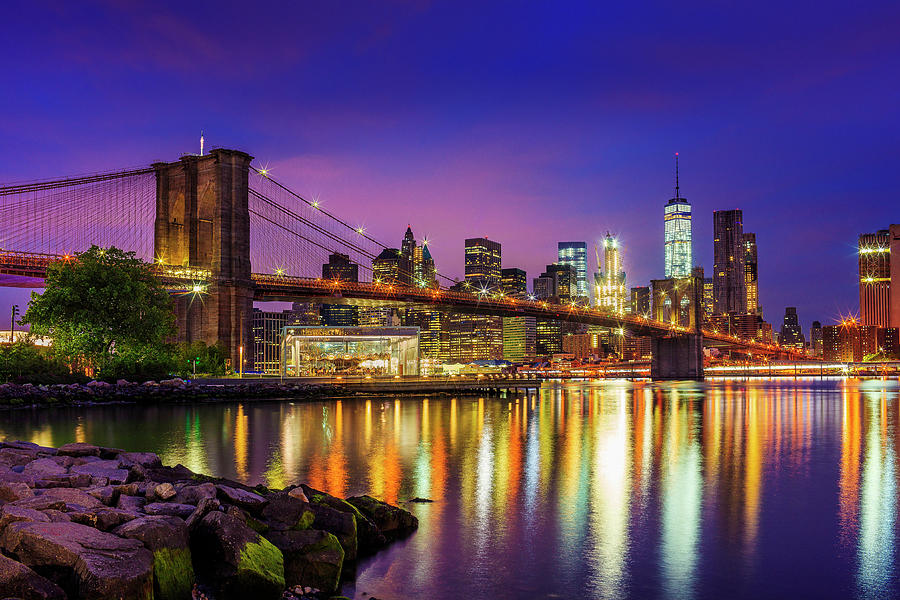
206	390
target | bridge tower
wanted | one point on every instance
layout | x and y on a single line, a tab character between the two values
680	355
203	221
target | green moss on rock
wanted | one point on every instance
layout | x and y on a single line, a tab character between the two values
261	560
172	573
336	503
306	520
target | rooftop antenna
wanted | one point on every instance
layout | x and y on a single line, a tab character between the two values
201	142
677	193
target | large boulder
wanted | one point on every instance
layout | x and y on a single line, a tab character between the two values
16	457
368	536
31	446
131	503
167	539
85	562
10	492
235	560
145	459
312	558
78	449
286	512
72	497
340	524
106	494
103	469
110	518
18	581
193	494
44	467
8	475
171	509
392	521
241	498
164	491
10	513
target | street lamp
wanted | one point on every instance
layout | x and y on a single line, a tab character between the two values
12	323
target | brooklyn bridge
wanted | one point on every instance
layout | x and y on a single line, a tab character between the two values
222	234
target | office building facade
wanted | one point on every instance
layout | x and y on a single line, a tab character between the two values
751	273
574	254
791	332
729	278
879	277
482	266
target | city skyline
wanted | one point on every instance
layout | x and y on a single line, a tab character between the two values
587	153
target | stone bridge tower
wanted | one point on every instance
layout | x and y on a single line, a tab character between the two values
203	221
680	355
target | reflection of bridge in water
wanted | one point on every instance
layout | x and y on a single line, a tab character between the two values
214	216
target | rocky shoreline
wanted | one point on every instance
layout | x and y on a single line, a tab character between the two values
172	390
85	521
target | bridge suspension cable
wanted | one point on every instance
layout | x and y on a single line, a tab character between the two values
37	186
332	227
68	215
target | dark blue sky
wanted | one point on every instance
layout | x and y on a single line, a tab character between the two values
529	122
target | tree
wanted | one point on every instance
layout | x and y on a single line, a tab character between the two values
105	311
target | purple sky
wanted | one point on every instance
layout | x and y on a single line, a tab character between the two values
528	122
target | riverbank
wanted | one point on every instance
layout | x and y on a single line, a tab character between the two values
85	521
17	396
171	390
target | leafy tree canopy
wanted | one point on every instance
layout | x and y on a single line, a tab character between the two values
104	303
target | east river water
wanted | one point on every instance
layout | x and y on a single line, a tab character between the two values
726	489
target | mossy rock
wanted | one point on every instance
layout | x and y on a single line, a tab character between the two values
235	560
167	538
392	521
340	524
173	574
260	561
312	558
306	520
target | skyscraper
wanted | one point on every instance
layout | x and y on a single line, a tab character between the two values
518	332
386	266
751	273
575	254
815	338
729	279
514	282
482	262
407	264
558	281
791	332
427	272
519	336
611	294
340	267
678	257
640	300
879	278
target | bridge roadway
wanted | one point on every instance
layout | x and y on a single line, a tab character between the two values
24	269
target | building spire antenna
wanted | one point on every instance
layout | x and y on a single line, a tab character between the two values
677	192
201	142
